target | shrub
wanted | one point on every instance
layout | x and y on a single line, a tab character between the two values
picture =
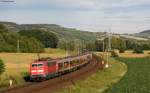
121	51
114	54
2	67
138	50
26	76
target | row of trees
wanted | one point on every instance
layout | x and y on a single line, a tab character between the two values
122	44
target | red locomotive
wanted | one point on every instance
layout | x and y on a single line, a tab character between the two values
45	69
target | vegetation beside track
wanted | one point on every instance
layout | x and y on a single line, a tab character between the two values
99	81
137	79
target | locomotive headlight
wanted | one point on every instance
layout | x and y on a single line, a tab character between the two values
33	71
40	70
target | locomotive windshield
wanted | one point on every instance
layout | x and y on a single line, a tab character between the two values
40	65
37	65
34	65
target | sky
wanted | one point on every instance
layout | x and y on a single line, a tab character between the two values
117	16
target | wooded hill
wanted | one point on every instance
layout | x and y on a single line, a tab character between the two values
61	32
36	37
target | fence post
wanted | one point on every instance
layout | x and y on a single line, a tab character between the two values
10	82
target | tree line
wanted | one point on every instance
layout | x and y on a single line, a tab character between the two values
122	44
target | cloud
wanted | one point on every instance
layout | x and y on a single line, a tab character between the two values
78	4
96	15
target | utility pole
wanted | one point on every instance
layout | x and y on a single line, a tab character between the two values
18	51
18	46
66	48
109	40
109	48
104	45
83	46
78	42
77	46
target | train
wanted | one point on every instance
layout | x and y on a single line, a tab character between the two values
44	69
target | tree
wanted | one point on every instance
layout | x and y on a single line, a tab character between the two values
48	39
2	67
99	45
114	54
138	49
30	45
3	29
121	45
8	42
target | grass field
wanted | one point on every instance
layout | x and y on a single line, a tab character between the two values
130	54
18	63
99	81
137	79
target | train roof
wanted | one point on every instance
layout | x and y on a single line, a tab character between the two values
48	59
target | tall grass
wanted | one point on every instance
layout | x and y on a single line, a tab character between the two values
137	79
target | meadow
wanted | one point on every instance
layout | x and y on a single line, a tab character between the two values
17	64
137	78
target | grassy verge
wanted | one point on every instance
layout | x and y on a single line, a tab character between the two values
99	81
137	79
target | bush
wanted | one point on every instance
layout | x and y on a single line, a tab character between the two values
114	54
2	67
140	51
26	76
121	51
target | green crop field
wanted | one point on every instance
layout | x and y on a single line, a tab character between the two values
137	78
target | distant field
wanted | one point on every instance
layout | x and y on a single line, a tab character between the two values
130	54
137	79
18	63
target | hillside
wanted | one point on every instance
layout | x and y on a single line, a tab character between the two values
145	34
70	33
61	32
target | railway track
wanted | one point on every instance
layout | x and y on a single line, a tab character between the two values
54	84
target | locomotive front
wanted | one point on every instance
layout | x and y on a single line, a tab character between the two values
37	70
